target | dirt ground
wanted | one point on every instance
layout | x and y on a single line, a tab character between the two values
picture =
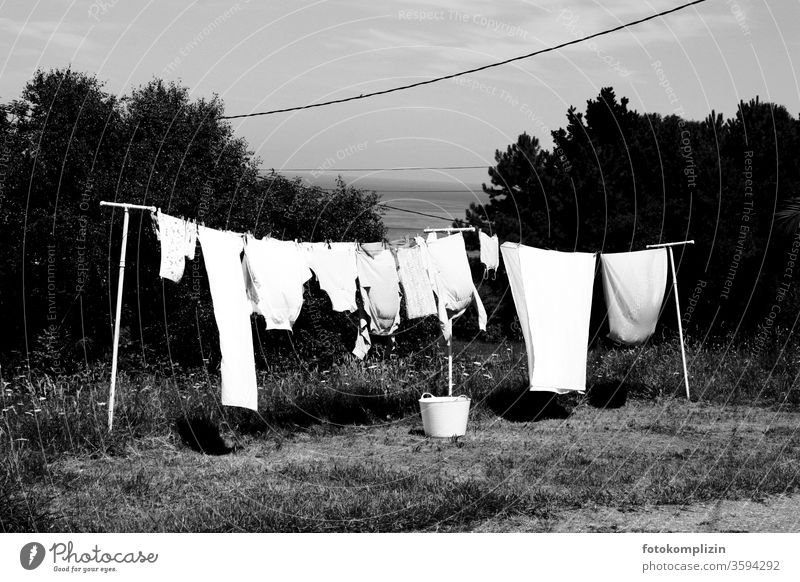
775	514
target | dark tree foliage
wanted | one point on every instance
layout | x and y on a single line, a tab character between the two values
616	180
66	145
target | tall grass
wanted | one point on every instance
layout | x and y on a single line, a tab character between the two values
44	417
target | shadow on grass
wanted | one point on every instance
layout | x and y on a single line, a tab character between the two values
202	435
527	406
611	394
360	408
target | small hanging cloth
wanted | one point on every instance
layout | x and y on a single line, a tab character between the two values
490	252
413	269
178	238
334	264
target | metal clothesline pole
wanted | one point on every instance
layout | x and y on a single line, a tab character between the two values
115	352
669	246
450	366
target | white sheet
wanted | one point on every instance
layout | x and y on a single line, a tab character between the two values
490	253
221	254
553	295
634	284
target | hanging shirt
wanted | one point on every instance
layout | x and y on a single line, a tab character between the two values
178	239
634	284
334	264
276	272
451	280
417	291
379	287
222	257
490	251
553	295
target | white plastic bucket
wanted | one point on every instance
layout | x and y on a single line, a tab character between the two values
444	416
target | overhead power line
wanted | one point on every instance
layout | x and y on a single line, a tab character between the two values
384	191
400	169
416	212
469	71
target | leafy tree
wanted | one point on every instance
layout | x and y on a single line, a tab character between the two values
70	144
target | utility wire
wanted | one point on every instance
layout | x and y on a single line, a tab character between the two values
469	71
400	169
415	212
382	191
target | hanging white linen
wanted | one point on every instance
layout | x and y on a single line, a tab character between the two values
634	284
553	295
222	256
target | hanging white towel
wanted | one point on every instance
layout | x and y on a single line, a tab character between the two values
451	280
178	238
413	270
553	295
222	257
490	251
334	264
634	284
277	271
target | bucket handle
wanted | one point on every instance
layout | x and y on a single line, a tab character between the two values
429	395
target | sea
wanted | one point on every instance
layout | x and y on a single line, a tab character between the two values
412	205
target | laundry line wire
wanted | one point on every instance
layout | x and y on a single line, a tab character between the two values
468	71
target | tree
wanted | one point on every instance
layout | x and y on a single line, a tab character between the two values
617	180
70	144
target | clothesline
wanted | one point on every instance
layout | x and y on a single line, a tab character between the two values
266	276
435	278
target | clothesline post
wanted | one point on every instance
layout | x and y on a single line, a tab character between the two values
450	366
117	317
450	341
677	304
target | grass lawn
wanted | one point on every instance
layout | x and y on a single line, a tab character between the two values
502	476
529	462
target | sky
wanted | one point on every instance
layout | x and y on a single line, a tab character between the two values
260	56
